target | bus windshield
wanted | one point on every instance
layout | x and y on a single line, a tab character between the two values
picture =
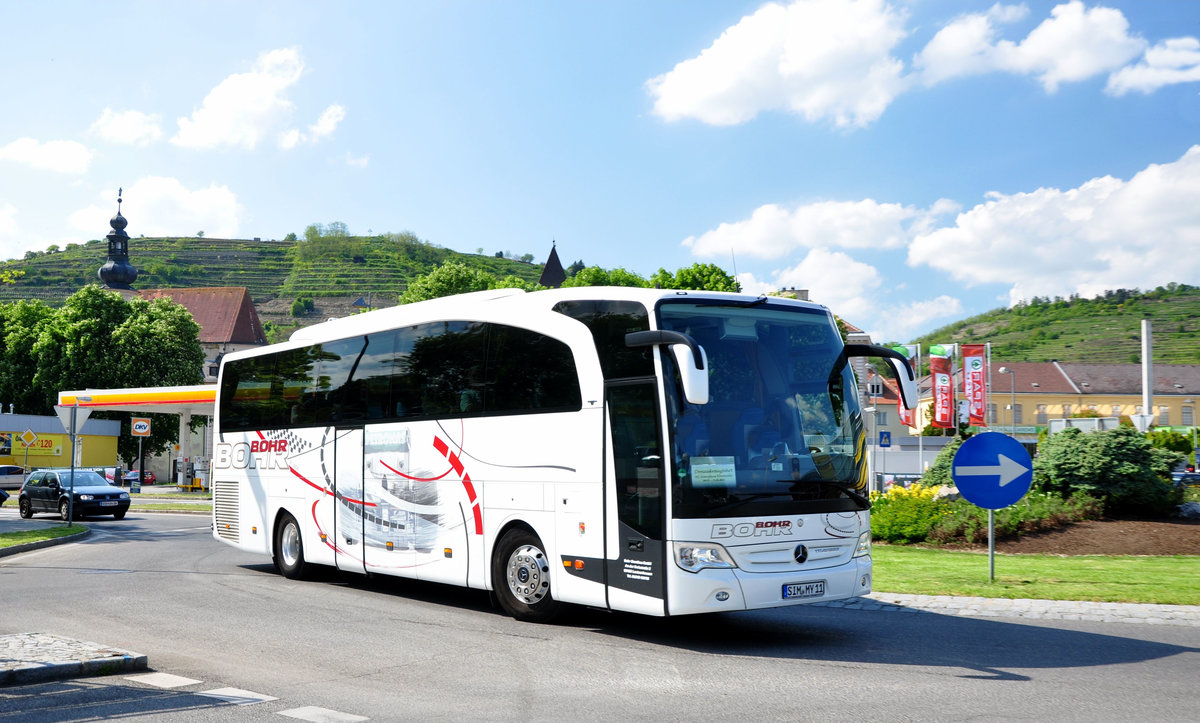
782	432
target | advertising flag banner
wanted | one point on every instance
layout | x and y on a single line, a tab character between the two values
975	382
943	388
907	417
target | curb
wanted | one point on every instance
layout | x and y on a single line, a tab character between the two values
39	657
29	546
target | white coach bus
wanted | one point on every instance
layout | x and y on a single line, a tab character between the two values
659	452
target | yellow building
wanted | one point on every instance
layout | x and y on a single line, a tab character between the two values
50	445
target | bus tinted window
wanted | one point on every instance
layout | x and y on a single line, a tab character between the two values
442	369
531	371
609	322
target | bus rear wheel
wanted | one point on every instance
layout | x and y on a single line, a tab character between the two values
521	578
289	548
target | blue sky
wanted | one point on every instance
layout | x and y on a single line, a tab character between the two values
911	163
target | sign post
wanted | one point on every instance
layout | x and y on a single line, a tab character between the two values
28	437
140	428
993	471
73	417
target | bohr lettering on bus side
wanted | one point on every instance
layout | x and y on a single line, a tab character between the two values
259	454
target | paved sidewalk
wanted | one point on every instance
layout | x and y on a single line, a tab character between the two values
986	607
36	657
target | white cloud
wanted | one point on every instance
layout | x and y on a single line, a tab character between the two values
836	280
772	231
1075	43
903	322
832	60
1104	234
158	206
822	59
1172	61
357	161
244	107
326	124
57	156
128	127
965	46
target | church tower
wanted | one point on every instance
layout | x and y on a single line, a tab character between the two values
117	273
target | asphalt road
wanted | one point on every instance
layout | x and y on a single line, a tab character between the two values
387	649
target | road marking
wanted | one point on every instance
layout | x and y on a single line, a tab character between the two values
236	696
321	715
162	680
1006	469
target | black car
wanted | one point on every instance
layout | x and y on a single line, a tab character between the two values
49	490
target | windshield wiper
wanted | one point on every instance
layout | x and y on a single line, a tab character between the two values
845	487
747	499
744	304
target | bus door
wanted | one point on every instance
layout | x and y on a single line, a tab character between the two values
635	495
350	498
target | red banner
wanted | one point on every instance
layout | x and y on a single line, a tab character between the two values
975	381
906	414
943	392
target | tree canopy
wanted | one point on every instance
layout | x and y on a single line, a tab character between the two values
98	340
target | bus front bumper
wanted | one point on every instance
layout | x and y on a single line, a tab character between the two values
724	590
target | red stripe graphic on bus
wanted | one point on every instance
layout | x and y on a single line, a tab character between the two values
456	463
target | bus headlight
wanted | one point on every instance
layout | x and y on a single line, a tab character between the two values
695	556
864	544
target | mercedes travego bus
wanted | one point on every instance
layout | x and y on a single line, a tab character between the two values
652	451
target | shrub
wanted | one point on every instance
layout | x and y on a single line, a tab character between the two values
905	515
1035	512
1119	466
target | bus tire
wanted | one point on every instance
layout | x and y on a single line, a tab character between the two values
521	578
289	548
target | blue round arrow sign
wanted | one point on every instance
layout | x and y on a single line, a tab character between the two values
992	470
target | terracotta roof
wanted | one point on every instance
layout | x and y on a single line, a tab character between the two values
1127	378
225	313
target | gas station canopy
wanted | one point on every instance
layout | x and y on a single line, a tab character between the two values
184	401
194	400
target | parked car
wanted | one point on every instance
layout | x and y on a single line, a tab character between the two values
1187	479
50	490
11	476
131	476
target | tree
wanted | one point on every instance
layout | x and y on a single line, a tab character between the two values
1119	466
100	340
596	276
1172	440
20	325
291	237
703	277
448	279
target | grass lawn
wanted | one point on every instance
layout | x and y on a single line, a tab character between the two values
1166	580
8	539
160	505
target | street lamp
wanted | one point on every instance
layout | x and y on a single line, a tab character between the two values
1012	407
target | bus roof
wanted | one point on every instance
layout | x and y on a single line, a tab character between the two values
494	302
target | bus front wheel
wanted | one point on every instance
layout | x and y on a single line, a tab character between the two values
521	578
289	548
